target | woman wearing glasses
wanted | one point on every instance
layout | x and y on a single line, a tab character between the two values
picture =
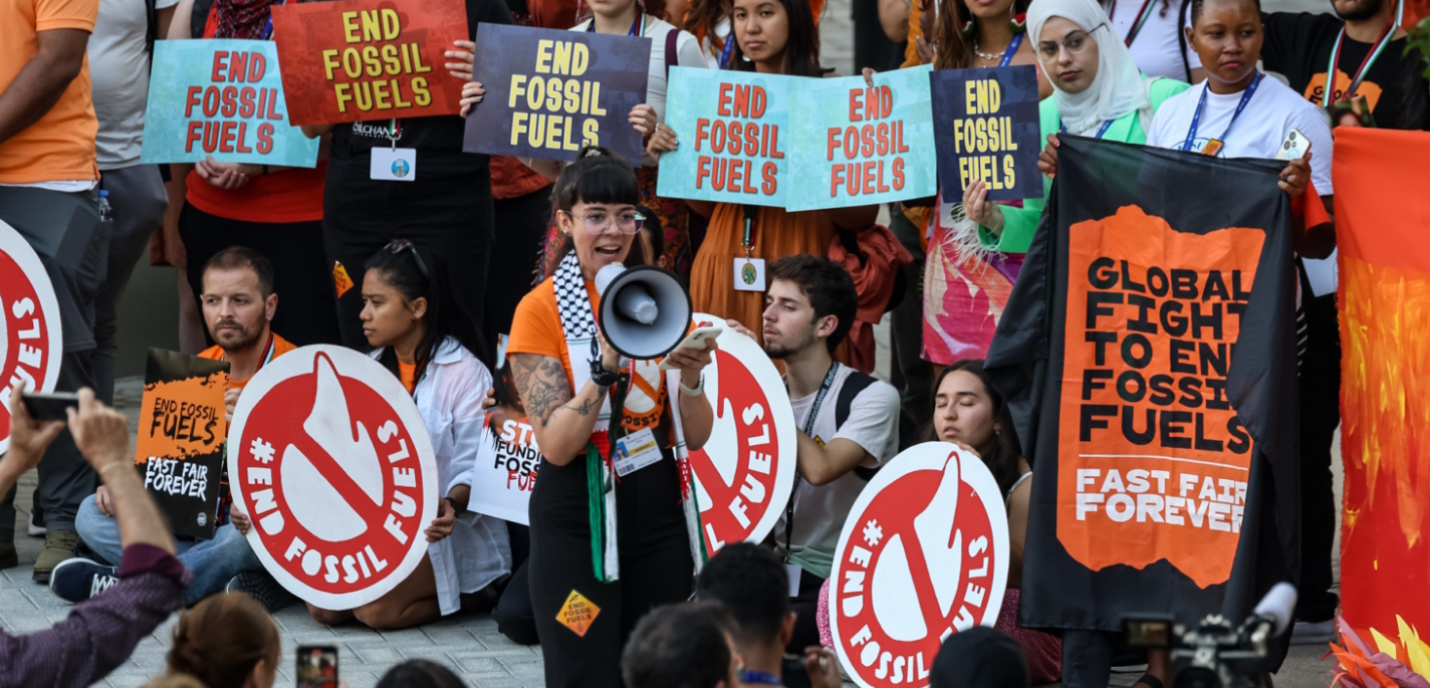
1097	91
420	331
603	551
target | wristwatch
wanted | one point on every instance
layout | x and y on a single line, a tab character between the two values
697	390
603	377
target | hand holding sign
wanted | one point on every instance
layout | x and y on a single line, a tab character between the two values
987	130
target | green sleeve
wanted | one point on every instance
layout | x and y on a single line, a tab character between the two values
1019	224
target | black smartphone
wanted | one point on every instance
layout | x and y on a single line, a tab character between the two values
49	406
317	666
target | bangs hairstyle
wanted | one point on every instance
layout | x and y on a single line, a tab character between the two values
801	56
445	316
597	176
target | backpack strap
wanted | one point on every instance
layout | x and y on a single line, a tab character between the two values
671	58
854	384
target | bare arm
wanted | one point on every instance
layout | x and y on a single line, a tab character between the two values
823	465
42	80
894	18
166	19
696	416
1018	530
562	424
178	27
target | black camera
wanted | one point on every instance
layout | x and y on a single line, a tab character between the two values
1215	654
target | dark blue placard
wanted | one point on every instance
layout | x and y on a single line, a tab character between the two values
1008	161
516	65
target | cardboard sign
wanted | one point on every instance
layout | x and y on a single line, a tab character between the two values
331	460
31	343
368	59
987	128
551	92
745	472
222	98
181	438
858	145
505	473
733	134
923	554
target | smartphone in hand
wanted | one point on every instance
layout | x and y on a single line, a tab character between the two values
317	666
49	406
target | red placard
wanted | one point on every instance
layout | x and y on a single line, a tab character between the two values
30	341
368	59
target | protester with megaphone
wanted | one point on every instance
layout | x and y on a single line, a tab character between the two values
603	552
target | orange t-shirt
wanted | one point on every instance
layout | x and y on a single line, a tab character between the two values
407	372
536	329
60	146
280	346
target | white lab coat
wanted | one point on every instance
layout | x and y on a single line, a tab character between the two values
449	397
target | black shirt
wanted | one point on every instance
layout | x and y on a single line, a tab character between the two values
1299	46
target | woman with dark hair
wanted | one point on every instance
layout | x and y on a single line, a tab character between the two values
772	37
603	551
226	641
420	331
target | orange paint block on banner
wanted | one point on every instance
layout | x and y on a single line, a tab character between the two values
578	613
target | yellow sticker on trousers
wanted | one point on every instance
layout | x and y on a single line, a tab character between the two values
578	613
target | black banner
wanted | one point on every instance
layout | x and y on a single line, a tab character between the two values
180	453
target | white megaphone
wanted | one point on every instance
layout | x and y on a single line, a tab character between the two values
645	312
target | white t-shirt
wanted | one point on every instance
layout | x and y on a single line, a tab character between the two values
1156	49
1272	112
119	70
819	512
687	53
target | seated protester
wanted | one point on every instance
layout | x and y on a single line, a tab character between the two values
979	657
849	421
508	424
99	634
419	673
1238	113
683	645
420	331
750	581
967	410
238	305
226	641
1097	91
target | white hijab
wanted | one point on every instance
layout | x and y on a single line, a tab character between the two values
1118	87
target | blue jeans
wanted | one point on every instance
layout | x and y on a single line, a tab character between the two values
213	562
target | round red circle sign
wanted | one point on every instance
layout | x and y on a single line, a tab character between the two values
923	555
330	459
30	341
745	472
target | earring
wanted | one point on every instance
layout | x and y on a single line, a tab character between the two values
1019	24
968	28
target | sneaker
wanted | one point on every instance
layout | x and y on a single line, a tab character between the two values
1313	632
262	588
76	580
9	558
35	530
59	546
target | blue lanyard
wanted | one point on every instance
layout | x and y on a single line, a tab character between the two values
1101	130
1011	51
728	52
1202	103
639	23
750	676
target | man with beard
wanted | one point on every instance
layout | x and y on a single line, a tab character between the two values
1368	51
238	304
848	421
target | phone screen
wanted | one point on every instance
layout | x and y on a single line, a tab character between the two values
317	666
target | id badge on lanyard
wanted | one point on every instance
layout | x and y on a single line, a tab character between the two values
393	164
749	271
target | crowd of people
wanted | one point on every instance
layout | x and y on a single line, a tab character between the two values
461	280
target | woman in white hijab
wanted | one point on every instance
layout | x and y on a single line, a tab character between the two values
1097	91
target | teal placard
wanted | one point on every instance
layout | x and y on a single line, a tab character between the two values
222	98
712	109
855	145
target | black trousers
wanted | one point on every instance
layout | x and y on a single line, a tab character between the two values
301	277
1320	396
655	561
450	213
806	607
516	248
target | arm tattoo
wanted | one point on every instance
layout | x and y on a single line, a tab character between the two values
584	409
541	382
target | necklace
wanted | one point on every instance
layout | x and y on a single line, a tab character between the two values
986	56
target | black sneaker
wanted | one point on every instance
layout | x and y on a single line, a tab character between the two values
9	558
78	579
261	587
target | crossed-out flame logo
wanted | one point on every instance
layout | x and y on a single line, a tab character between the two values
30	340
923	555
745	472
332	462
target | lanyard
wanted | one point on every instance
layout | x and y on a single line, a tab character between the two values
752	677
394	131
639	23
747	240
1376	49
268	356
1143	14
1011	51
1201	105
1100	131
728	52
809	431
